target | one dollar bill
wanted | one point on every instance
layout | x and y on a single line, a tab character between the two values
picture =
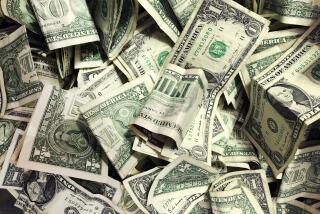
59	140
20	81
65	23
281	110
109	116
219	43
48	193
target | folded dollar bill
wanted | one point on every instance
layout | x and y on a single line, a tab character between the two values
172	105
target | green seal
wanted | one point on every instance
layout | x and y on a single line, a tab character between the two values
217	49
315	73
162	57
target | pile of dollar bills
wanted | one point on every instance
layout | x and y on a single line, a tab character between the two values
160	106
